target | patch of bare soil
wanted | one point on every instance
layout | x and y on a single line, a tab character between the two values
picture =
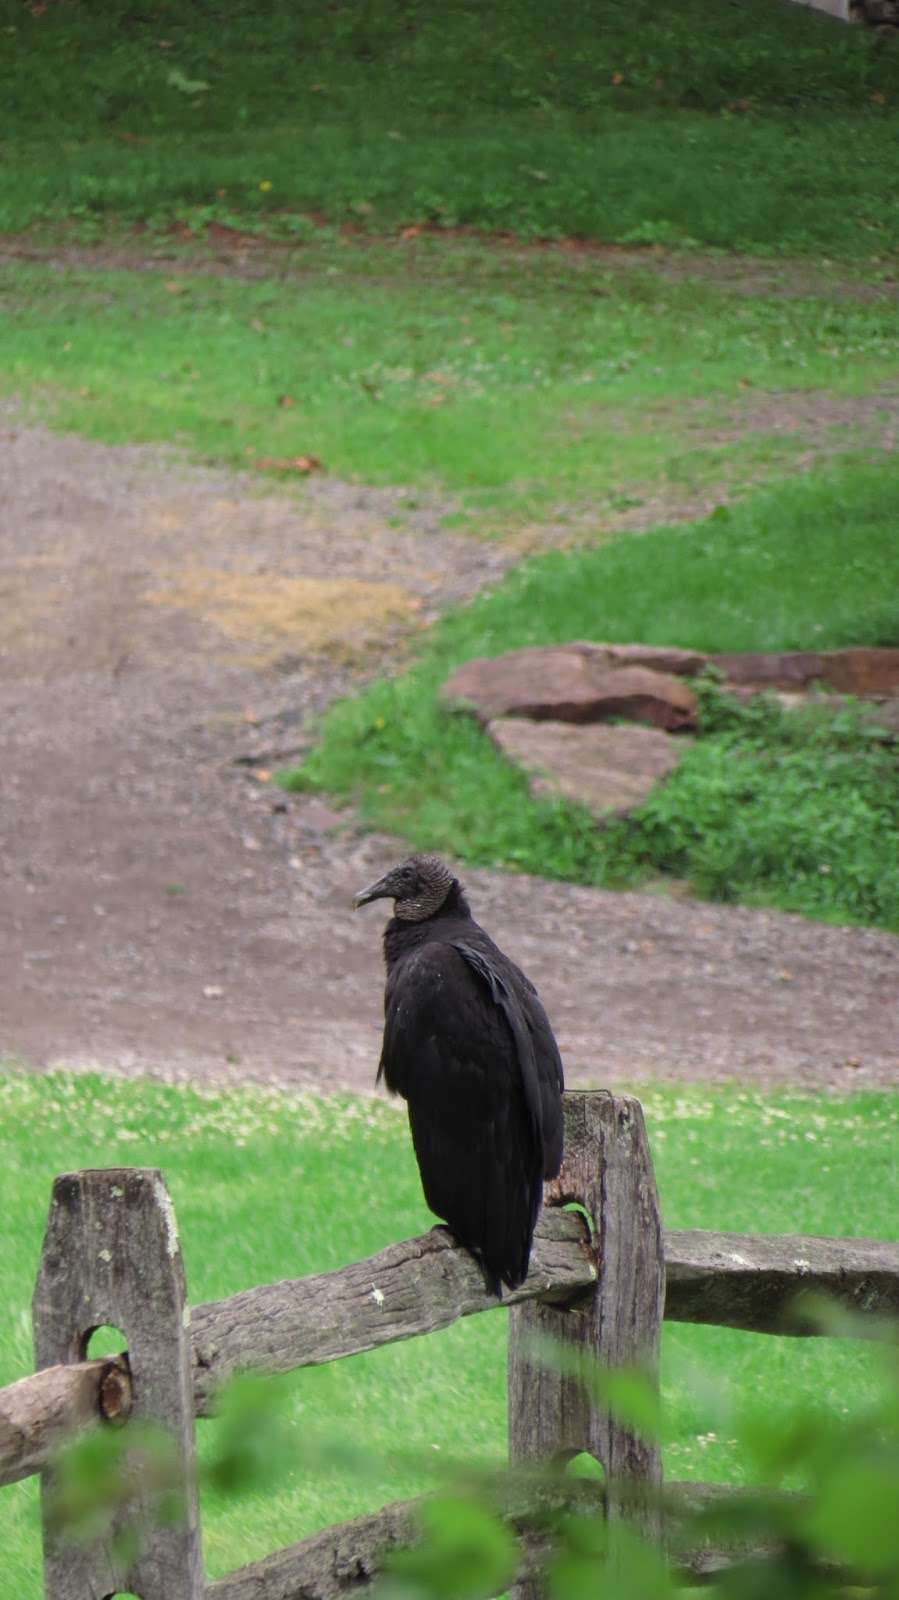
169	631
227	252
817	423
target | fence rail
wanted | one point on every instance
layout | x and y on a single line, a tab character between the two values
111	1255
338	1561
730	1280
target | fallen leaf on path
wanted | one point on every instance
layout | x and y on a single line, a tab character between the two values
302	464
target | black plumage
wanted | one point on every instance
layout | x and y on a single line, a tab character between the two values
469	1047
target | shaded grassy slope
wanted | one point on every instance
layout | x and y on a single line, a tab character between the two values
760	126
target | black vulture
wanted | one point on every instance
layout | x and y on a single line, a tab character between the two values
469	1047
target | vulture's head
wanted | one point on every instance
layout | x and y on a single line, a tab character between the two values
418	888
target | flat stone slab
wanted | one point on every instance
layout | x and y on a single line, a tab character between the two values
587	682
610	770
571	683
864	671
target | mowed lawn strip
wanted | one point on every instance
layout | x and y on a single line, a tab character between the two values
761	128
531	385
269	1185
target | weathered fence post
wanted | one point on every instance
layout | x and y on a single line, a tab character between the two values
111	1256
608	1170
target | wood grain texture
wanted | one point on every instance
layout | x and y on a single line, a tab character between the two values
615	1323
752	1281
340	1561
732	1280
335	1562
408	1289
43	1411
111	1255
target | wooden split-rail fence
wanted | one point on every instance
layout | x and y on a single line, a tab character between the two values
111	1256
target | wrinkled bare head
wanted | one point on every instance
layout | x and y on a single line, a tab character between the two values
418	888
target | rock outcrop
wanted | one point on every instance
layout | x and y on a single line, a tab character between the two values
864	672
610	770
577	683
602	724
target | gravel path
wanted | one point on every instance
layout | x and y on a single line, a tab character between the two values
166	912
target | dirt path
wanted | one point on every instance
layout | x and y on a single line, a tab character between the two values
226	252
164	911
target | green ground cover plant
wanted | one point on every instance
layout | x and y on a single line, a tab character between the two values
522	383
736	126
789	811
265	1185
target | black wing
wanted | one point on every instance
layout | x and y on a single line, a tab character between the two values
538	1053
459	1050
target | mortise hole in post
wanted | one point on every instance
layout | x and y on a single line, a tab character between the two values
585	1465
122	1594
103	1341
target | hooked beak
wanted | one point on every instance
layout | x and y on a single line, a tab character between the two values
375	891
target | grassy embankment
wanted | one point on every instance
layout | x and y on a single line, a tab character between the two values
755	127
787	809
267	1186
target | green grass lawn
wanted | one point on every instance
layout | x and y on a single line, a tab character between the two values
759	126
529	385
775	808
266	1185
